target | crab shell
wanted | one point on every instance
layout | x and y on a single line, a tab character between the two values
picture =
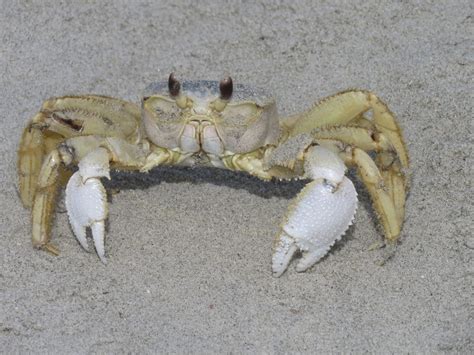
245	123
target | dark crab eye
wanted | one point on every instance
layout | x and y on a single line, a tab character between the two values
173	85
226	88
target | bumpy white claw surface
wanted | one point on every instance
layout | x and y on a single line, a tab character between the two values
86	207
320	216
86	200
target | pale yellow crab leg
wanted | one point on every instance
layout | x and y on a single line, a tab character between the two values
93	114
390	167
35	144
362	121
388	200
343	107
319	216
70	116
364	138
44	202
395	181
368	139
30	159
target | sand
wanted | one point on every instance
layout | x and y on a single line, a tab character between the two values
189	250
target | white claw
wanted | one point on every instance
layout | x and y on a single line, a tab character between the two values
320	217
86	200
321	214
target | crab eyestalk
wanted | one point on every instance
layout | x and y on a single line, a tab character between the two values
226	87
174	88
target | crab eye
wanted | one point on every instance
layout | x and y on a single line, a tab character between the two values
226	88
173	85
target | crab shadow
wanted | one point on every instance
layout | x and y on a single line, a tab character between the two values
236	180
219	177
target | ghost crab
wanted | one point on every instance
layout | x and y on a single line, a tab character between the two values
222	125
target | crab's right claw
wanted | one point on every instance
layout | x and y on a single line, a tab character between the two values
321	214
86	199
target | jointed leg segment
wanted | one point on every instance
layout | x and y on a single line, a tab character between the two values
34	145
44	202
345	107
381	195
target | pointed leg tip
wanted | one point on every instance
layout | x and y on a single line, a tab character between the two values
50	248
376	245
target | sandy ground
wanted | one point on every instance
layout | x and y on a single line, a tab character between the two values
189	250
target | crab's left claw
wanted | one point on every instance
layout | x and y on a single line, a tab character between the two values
86	199
320	215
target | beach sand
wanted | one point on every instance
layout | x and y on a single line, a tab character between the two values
189	250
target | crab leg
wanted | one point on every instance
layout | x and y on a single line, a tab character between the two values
395	182
341	108
395	175
368	139
34	146
30	157
388	200
364	138
319	216
43	204
92	114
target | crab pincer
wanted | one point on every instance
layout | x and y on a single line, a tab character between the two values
320	214
86	200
